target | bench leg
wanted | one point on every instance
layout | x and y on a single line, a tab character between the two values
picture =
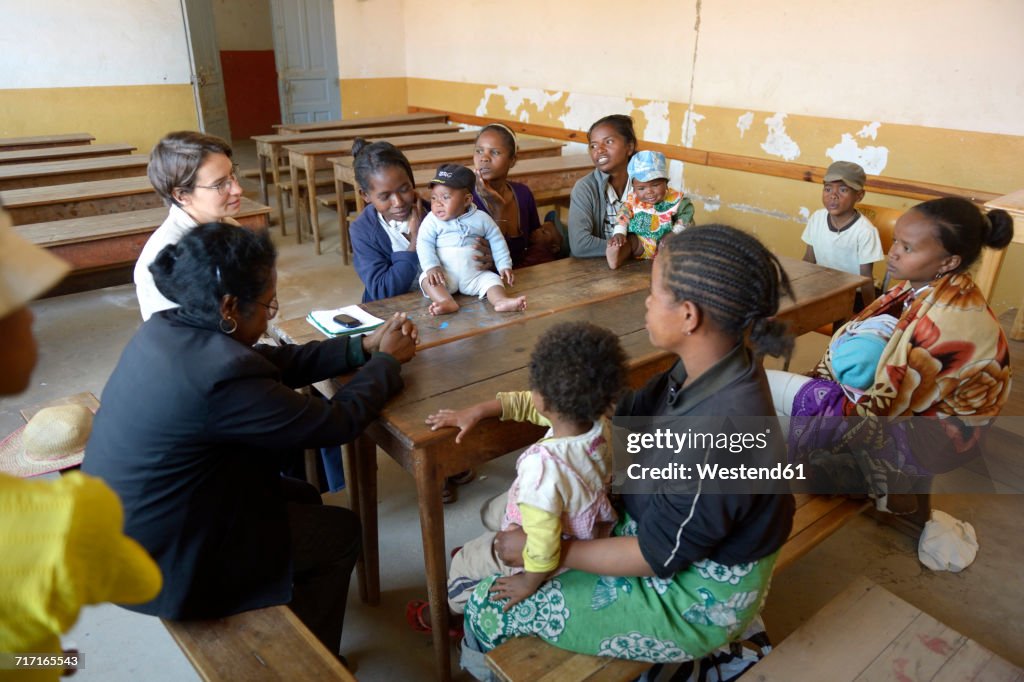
428	489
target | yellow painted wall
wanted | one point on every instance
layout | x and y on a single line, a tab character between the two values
361	97
136	114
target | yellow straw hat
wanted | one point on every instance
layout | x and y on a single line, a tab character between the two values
53	439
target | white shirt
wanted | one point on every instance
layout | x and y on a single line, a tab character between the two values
176	226
397	232
857	245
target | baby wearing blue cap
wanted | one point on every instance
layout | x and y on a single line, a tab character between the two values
856	351
651	210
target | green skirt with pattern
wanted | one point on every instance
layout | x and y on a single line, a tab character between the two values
646	619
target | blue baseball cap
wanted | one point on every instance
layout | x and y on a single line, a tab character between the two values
647	165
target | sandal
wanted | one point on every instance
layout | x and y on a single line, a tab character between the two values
463	477
448	492
416	616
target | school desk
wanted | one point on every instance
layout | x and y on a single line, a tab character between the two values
270	147
38	141
116	239
308	158
991	260
79	199
57	153
41	174
368	122
544	176
469	356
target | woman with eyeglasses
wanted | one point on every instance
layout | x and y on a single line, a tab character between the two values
195	176
196	422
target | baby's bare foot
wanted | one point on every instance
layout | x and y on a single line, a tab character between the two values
443	308
511	305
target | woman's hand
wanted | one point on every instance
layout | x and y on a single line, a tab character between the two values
516	588
491	197
507	276
509	544
415	218
484	258
435	276
396	337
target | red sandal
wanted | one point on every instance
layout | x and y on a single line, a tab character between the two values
416	615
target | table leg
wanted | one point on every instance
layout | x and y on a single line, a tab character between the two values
339	189
428	490
297	200
275	170
366	472
350	457
314	212
263	180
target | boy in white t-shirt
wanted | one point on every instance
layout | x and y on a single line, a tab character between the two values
838	236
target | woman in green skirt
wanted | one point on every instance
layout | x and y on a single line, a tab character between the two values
685	571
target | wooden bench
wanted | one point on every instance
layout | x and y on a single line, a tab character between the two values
367	122
264	644
38	141
868	633
46	173
56	153
113	240
79	199
529	659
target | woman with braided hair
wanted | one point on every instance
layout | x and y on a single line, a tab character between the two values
683	573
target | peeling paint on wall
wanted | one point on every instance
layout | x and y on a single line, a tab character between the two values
690	121
872	159
657	127
710	204
778	143
675	174
870	130
805	212
758	210
744	122
515	98
582	110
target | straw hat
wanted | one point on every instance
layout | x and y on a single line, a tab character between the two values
26	271
53	439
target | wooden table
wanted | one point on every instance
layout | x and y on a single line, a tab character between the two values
546	177
56	153
269	147
868	633
79	199
116	239
444	375
37	141
308	158
991	260
42	174
368	122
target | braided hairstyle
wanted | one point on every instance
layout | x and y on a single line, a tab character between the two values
963	229
733	279
372	158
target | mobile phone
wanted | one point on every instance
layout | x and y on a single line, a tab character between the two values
347	321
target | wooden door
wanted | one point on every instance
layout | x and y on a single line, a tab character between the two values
204	60
307	60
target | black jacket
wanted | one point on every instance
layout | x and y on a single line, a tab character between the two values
678	529
191	434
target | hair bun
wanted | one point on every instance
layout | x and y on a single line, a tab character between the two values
1000	229
358	145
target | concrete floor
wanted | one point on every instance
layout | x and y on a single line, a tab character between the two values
81	336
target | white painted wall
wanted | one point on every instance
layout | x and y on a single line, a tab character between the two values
371	37
243	24
49	44
936	63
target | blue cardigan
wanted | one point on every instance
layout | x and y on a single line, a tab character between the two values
385	273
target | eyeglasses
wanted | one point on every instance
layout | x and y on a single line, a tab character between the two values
271	307
224	186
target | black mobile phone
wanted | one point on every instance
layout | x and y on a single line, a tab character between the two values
347	321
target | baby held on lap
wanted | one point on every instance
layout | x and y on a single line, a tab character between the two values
445	247
856	351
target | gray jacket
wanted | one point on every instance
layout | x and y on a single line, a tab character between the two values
587	207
